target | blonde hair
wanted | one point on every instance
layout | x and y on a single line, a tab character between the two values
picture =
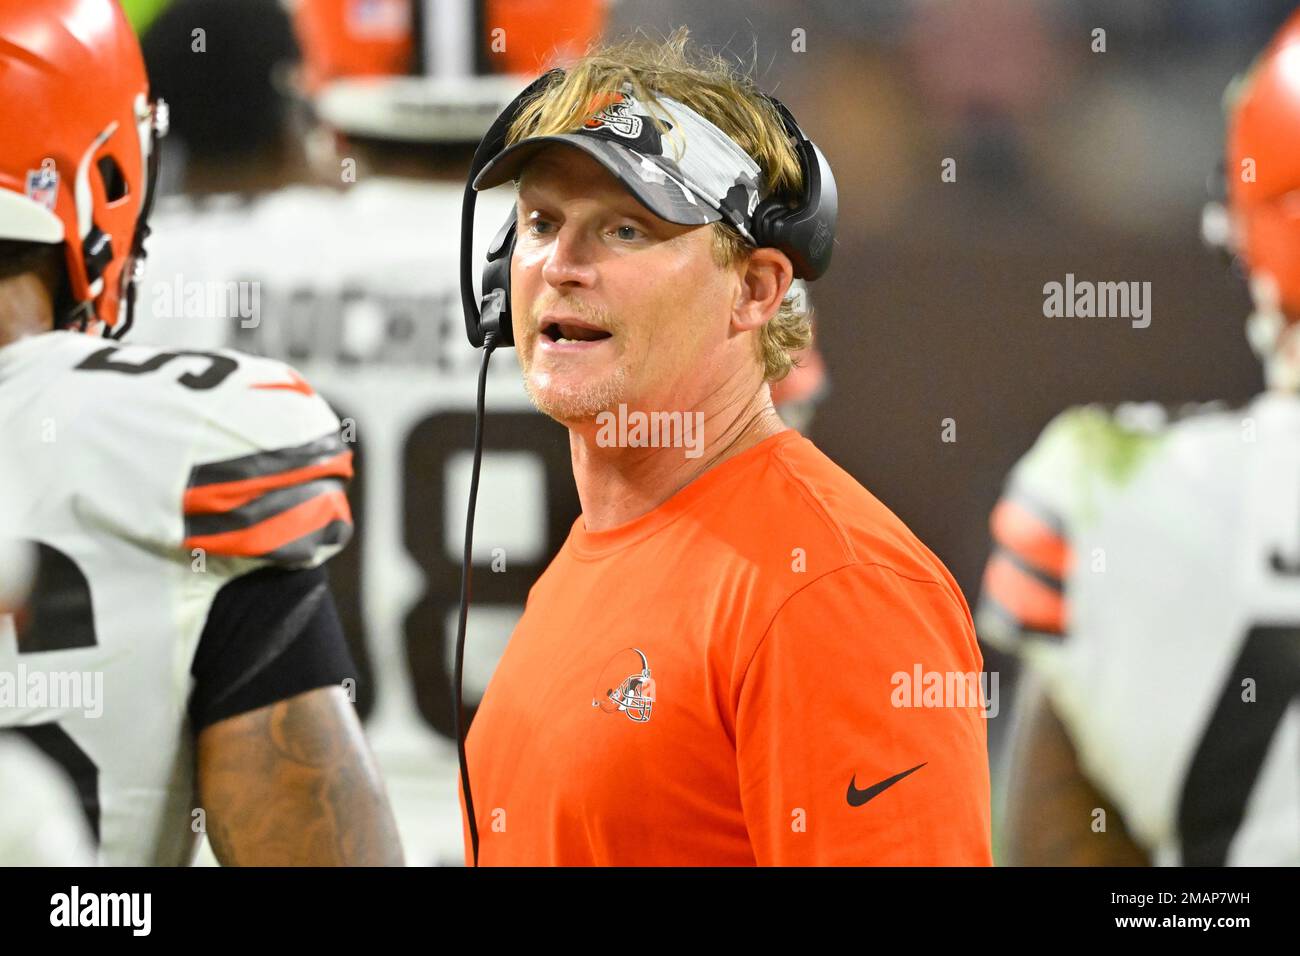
721	93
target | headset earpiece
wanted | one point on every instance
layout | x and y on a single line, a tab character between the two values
494	312
804	232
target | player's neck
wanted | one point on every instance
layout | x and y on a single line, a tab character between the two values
25	307
621	476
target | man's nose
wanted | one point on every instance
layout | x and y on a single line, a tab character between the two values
570	261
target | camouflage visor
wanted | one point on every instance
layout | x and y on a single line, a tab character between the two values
691	173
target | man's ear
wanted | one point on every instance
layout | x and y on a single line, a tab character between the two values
765	278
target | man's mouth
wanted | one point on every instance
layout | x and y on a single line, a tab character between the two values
565	333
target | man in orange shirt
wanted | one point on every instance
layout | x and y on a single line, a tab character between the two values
724	663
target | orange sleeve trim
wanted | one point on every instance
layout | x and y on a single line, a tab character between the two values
1030	538
216	499
274	533
1034	605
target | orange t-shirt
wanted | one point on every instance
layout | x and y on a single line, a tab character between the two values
768	610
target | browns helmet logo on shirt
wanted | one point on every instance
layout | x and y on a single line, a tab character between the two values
632	693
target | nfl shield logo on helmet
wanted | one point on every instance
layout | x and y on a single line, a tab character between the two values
43	184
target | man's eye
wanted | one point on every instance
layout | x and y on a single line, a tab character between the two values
537	226
628	233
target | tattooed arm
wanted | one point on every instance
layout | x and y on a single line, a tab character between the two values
1050	803
284	773
294	784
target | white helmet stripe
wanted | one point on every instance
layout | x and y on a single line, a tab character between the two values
85	202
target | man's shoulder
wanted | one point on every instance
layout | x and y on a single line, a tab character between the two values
825	504
1139	470
169	396
233	453
1088	455
842	570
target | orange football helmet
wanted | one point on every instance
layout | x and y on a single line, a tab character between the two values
1263	166
432	70
77	156
353	38
1263	197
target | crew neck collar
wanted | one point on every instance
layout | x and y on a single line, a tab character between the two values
589	545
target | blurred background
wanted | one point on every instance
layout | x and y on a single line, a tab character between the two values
1067	159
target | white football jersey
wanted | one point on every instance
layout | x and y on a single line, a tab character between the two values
359	288
16	567
41	819
1149	571
147	479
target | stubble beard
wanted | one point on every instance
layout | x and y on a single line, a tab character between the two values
580	403
573	405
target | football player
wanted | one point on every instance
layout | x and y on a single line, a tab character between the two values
179	654
1146	568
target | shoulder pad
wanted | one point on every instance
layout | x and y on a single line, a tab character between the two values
269	472
1051	491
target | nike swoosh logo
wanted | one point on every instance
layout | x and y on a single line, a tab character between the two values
299	384
858	797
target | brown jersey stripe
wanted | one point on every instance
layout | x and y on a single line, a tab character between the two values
230	495
296	552
258	509
1032	503
1032	570
324	518
988	607
265	463
1030	602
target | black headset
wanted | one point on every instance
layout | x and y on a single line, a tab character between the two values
805	232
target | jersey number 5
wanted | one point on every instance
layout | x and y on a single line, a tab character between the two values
218	370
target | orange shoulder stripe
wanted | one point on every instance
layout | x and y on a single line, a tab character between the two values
216	499
1031	538
274	533
1035	605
